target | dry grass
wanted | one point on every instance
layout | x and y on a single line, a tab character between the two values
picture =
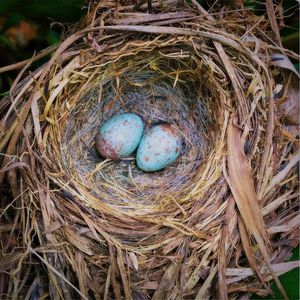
152	95
216	224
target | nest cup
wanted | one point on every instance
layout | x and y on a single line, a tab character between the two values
148	87
214	223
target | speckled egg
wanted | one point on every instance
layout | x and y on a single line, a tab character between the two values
119	136
159	147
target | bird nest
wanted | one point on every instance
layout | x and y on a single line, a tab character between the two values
217	222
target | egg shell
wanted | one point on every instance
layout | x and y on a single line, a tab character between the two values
119	136
159	147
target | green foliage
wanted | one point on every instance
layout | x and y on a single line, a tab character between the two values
62	10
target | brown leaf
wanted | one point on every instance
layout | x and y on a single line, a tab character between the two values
80	242
282	61
242	184
291	106
242	187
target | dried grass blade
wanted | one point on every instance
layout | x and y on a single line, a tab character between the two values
234	80
21	119
249	254
277	202
273	22
36	121
152	29
123	274
107	284
134	260
54	94
283	173
80	268
167	282
206	284
173	30
15	137
223	293
114	282
23	63
293	223
5	137
61	276
238	274
202	10
138	19
194	277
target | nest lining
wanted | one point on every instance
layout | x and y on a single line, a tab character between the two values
152	97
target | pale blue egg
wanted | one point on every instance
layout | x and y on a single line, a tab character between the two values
119	136
159	147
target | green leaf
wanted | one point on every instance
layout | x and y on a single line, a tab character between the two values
62	10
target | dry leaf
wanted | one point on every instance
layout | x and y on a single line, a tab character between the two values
134	260
291	106
80	242
282	61
242	187
242	184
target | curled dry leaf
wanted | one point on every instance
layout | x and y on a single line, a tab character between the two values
242	187
242	184
134	260
282	61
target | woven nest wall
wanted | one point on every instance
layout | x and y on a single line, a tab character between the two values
217	223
